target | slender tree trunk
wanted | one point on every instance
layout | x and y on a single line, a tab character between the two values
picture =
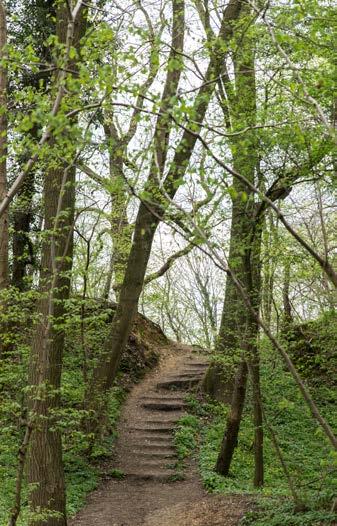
269	235
23	252
287	317
254	369
3	150
15	512
254	289
108	280
121	230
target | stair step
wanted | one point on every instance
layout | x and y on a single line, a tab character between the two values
196	364
158	476
156	443
179	383
156	429
154	453
153	438
155	447
186	375
194	372
164	406
170	419
165	397
149	464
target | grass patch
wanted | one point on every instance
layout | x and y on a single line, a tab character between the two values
117	474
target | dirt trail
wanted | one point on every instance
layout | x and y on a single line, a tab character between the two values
148	494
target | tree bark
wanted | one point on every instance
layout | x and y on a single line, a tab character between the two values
45	466
239	109
3	150
230	438
254	369
22	214
121	230
287	310
238	328
23	251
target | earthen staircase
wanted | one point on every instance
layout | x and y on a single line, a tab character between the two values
150	453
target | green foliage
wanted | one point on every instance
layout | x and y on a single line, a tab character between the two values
185	436
81	455
116	474
273	512
313	347
306	451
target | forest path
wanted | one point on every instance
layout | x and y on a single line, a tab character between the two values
149	494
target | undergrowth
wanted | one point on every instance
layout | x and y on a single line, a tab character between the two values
185	436
82	471
312	463
83	459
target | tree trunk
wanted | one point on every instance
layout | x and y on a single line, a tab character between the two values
23	252
230	439
287	311
3	151
239	330
254	369
22	213
245	162
45	466
121	230
104	374
269	241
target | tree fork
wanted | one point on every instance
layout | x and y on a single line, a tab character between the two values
140	251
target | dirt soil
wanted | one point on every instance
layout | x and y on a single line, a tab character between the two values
148	494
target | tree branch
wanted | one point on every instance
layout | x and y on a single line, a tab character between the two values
168	264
